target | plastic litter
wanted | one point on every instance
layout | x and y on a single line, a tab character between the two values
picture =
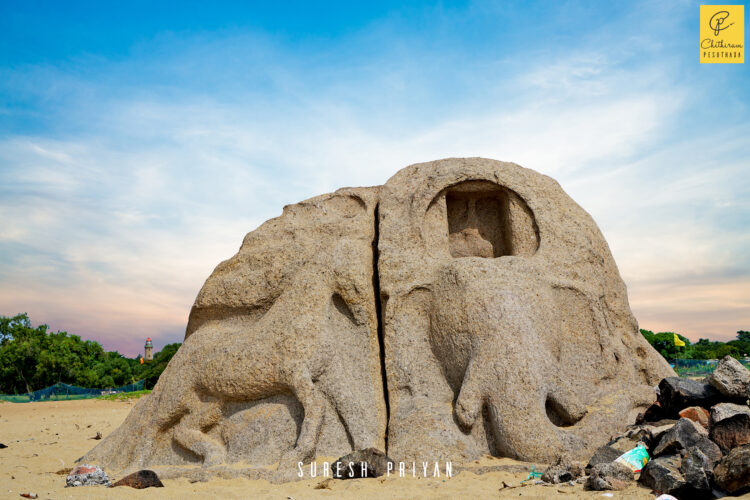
665	497
534	474
635	459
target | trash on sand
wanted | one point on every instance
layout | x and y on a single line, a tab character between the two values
534	474
635	459
29	495
665	497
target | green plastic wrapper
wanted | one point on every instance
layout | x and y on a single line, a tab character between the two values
635	459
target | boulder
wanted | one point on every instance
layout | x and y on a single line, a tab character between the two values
686	435
663	475
505	322
602	455
676	394
732	474
652	414
658	432
360	464
730	425
697	470
87	475
475	295
697	414
731	378
140	480
281	358
609	476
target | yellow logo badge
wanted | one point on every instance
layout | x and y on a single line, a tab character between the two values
722	33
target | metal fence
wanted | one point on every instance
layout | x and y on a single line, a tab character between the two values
62	392
698	367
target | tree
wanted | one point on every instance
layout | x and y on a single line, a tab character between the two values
11	326
663	342
33	358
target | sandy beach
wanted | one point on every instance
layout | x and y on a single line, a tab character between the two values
44	440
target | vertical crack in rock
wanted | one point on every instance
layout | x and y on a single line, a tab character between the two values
379	314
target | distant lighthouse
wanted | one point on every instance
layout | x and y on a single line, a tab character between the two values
149	347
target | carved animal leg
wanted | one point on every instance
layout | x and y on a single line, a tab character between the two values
354	398
470	399
314	406
189	432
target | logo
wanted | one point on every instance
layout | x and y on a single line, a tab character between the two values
722	34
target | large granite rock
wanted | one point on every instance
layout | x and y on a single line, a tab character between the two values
281	359
507	326
478	290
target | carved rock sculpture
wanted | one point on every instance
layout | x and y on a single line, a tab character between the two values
478	291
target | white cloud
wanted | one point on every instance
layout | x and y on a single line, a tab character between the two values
112	226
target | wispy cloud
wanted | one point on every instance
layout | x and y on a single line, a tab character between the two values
128	179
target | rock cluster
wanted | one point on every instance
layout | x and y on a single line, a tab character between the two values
87	475
697	434
466	307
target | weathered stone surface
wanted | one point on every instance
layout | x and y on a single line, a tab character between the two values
682	437
87	475
658	432
731	378
640	434
730	425
532	353
676	394
281	359
504	329
140	480
652	414
733	472
624	443
697	414
697	470
609	476
663	475
562	473
602	455
360	464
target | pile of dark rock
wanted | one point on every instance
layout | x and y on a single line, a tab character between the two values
697	434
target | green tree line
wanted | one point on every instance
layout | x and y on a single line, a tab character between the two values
663	342
35	358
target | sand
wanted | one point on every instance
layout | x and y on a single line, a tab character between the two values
44	440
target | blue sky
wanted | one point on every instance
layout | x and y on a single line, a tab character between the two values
140	142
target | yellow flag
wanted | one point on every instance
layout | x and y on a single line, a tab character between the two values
678	342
